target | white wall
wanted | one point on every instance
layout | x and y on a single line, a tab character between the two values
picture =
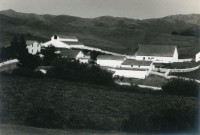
175	57
136	66
34	48
157	59
83	60
197	58
131	74
80	55
109	63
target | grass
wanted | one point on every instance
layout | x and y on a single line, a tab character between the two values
193	75
61	104
151	80
181	65
25	130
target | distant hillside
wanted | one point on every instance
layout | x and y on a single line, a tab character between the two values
106	32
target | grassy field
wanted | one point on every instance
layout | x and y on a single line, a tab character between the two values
61	104
25	130
193	75
181	65
151	80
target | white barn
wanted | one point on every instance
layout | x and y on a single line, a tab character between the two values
59	41
110	60
33	47
134	69
157	53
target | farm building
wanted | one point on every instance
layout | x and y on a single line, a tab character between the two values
74	55
33	47
59	41
110	60
69	42
197	57
134	69
156	53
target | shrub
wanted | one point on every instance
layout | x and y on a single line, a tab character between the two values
75	71
181	87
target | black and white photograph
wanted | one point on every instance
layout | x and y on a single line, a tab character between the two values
99	67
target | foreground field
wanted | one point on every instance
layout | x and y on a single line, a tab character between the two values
25	130
151	80
60	104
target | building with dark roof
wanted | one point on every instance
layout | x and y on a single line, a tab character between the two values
131	68
130	63
74	55
71	54
157	53
110	60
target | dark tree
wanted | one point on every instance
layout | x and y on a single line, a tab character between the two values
174	33
49	55
14	46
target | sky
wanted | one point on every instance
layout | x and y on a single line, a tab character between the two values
138	9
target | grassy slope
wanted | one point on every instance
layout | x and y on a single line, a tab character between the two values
25	130
193	75
96	107
105	32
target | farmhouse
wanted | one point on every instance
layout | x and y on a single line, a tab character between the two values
156	53
33	47
134	69
74	55
110	60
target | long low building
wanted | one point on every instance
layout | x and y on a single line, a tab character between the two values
134	69
110	60
157	53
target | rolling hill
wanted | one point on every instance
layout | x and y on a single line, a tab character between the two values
106	32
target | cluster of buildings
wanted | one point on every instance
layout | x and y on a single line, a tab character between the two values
137	66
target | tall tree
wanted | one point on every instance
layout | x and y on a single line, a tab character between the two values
49	55
14	46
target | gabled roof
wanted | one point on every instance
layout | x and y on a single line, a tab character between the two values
156	50
66	37
30	42
136	62
110	57
70	53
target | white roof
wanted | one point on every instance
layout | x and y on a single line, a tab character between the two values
57	44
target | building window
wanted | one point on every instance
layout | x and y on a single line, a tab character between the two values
131	65
55	36
143	58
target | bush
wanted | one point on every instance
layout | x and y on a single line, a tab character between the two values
182	87
75	71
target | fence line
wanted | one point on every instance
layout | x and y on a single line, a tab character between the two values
177	70
141	86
